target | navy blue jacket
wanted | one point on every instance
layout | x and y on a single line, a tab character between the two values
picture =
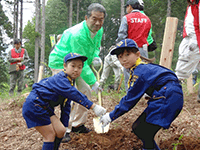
58	90
162	85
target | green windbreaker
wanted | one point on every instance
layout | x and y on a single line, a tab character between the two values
77	39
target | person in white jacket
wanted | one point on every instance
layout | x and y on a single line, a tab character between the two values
189	48
111	62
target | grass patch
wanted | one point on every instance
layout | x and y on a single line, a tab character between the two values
4	96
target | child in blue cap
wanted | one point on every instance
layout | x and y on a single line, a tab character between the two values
160	83
38	109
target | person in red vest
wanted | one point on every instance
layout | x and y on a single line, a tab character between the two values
135	25
18	56
189	55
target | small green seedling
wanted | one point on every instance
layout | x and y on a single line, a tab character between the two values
176	144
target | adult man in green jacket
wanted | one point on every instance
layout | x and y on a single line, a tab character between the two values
84	39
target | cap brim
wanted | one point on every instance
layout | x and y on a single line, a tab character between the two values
83	58
115	51
118	50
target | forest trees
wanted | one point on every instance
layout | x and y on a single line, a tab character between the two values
57	20
6	28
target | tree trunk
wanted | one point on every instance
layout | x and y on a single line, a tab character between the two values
14	22
122	8
37	12
21	20
169	8
70	13
77	12
43	35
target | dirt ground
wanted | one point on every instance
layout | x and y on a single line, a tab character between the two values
184	133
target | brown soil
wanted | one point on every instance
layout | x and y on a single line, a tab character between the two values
183	133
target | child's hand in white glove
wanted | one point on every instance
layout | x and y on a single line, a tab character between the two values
105	119
99	110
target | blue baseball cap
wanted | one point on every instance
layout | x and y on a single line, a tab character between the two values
123	44
72	56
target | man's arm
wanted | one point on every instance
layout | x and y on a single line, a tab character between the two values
123	30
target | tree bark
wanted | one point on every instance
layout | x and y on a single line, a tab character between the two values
43	35
70	13
77	12
169	8
21	20
122	8
36	62
14	22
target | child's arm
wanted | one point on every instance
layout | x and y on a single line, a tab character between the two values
135	92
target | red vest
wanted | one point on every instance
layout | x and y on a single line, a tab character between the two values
17	55
139	26
195	12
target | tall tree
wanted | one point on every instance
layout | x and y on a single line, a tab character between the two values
70	12
37	39
169	8
21	20
42	56
77	11
6	28
57	21
122	8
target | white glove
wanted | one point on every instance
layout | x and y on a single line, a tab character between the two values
192	44
105	119
96	62
96	87
99	110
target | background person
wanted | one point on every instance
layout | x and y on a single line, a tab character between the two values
58	39
85	39
160	83
17	56
189	56
111	62
135	25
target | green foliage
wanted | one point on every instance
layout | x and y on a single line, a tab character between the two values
30	34
3	75
4	95
57	13
111	25
6	28
56	21
5	23
157	11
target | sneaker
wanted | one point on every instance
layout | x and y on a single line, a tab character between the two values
66	138
81	129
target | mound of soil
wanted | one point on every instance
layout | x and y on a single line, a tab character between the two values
115	139
183	134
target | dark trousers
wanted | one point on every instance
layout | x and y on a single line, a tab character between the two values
145	131
16	78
